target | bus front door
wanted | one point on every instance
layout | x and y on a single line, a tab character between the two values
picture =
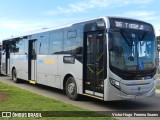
94	64
5	63
32	56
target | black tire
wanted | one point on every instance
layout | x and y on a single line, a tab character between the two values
14	76
71	89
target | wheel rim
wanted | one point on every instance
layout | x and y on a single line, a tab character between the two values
71	88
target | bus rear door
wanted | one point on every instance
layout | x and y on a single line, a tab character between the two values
5	63
32	59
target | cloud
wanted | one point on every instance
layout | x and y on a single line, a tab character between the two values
143	15
17	27
14	27
91	4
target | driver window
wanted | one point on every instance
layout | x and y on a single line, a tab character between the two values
117	54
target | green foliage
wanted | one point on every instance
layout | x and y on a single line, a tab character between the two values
158	87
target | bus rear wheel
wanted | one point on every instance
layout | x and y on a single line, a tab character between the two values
14	76
71	89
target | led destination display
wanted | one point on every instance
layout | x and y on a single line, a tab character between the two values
129	24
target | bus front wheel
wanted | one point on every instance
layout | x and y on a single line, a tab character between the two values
71	89
14	76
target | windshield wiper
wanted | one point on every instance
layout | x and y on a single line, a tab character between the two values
125	37
142	38
144	35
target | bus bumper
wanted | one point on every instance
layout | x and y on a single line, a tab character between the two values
116	94
138	96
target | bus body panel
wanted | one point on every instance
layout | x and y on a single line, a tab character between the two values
74	70
20	63
111	92
47	70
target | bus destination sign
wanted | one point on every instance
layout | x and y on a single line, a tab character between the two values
130	24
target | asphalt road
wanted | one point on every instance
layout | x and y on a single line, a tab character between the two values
147	104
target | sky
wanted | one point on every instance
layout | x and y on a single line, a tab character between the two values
21	16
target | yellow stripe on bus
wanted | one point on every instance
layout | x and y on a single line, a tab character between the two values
93	96
32	81
49	61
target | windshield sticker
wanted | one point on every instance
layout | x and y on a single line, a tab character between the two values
141	66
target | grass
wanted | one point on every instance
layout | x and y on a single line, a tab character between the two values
22	100
158	87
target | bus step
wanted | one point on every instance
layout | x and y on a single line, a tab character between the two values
32	81
100	98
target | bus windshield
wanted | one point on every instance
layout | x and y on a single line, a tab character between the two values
132	51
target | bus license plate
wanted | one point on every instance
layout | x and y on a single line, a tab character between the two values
139	96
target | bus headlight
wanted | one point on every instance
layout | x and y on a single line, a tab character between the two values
115	83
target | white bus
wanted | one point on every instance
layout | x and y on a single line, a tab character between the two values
107	58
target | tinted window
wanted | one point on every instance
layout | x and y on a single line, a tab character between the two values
67	42
56	41
77	43
44	43
72	34
17	46
73	41
12	46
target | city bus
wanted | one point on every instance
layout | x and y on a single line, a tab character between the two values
107	58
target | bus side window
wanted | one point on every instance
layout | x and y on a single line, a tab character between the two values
67	43
19	48
44	43
12	46
56	42
73	42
